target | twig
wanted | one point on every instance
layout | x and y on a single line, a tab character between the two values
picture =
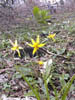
50	53
3	70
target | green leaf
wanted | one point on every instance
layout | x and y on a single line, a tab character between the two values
17	75
66	76
36	12
40	15
55	90
35	91
46	87
67	88
30	93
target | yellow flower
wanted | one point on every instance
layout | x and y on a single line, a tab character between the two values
36	44
16	47
52	36
40	63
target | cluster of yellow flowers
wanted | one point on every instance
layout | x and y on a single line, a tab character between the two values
35	44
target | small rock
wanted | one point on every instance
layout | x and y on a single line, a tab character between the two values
3	79
16	88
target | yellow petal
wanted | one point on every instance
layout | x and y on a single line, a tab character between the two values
35	49
38	40
32	41
40	62
30	45
41	45
48	36
18	53
53	35
11	42
53	39
13	48
15	42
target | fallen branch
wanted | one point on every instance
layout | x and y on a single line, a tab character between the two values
50	53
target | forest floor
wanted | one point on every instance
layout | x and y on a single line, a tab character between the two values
62	51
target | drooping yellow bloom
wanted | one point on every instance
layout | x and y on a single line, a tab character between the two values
40	63
36	44
16	47
52	36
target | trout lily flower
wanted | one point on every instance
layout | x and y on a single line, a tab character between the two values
16	47
36	44
40	63
46	65
52	36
